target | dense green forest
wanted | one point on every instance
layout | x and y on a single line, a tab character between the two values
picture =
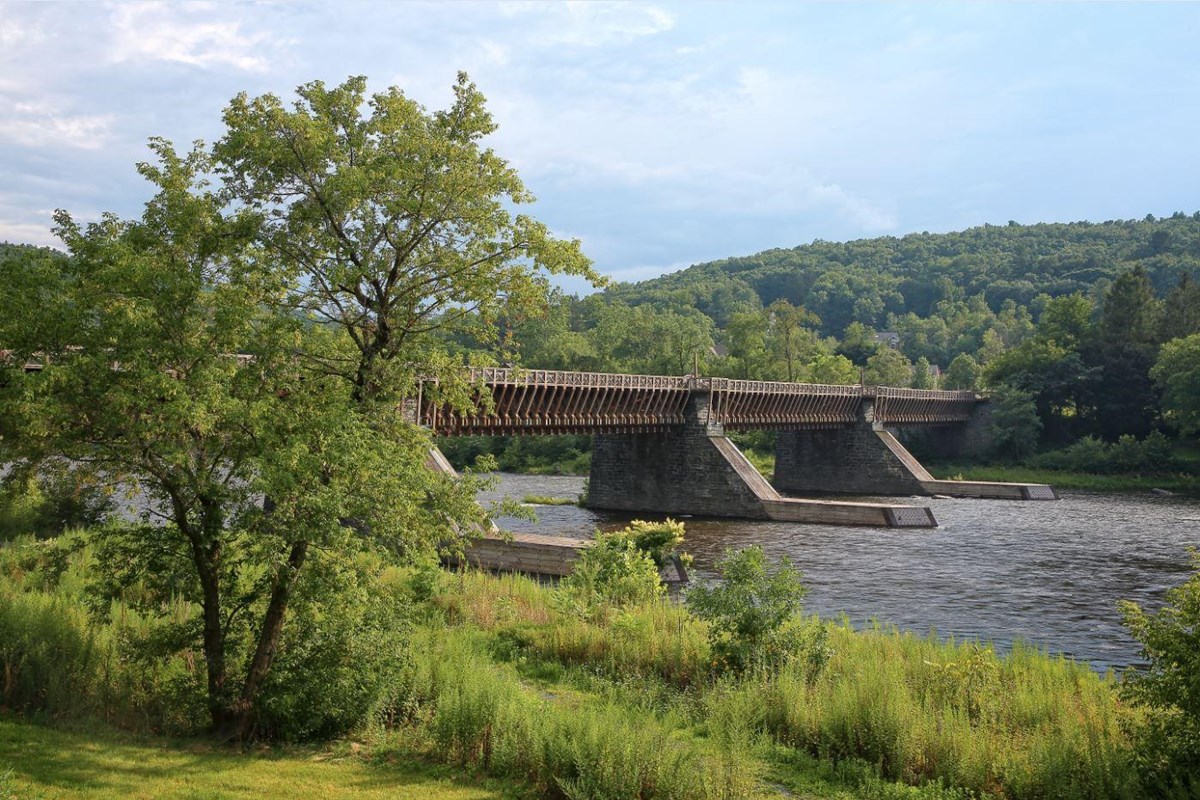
1063	322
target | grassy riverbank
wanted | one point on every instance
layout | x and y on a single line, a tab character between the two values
510	679
1067	480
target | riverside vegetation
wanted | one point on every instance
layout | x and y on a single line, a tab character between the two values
228	365
602	687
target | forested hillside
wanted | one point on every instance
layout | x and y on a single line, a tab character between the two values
1063	322
869	280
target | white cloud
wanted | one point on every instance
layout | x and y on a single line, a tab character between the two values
185	34
859	211
42	125
592	24
28	233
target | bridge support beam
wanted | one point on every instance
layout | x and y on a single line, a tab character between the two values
866	458
694	469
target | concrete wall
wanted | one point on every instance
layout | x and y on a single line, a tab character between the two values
853	460
680	472
969	441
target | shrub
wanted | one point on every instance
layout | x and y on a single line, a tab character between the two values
659	540
1169	743
1152	455
748	611
611	573
622	568
342	656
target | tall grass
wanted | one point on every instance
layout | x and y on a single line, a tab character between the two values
475	712
920	710
1023	725
50	657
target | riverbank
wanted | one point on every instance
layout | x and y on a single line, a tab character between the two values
764	462
1060	479
513	680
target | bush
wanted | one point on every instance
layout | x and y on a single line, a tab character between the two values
659	540
1169	744
344	650
1151	456
748	611
611	573
622	568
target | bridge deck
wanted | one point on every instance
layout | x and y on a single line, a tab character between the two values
513	401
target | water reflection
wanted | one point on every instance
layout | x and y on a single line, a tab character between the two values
1048	573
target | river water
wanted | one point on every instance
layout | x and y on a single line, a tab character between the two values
1048	573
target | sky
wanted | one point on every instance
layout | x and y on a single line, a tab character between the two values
659	134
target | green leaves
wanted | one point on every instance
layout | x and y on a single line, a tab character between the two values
397	218
1177	373
748	611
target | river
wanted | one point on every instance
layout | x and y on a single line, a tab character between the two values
1048	573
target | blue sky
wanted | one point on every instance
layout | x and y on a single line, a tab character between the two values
660	134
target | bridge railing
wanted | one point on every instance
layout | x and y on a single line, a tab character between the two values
531	401
767	405
894	406
513	401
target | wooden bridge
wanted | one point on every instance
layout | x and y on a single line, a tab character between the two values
523	402
660	442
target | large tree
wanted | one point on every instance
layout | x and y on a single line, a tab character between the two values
169	372
397	221
1177	373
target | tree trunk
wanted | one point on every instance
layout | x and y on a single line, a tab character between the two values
268	639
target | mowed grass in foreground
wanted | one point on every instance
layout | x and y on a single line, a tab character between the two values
59	765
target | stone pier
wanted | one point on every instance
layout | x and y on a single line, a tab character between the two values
867	458
693	469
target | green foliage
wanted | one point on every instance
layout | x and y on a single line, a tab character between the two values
47	502
963	373
49	655
1169	747
1153	455
659	539
479	715
888	367
535	455
949	719
612	573
922	376
1015	422
1066	320
1177	373
341	657
748	611
1181	310
405	225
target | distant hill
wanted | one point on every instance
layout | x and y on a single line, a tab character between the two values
867	279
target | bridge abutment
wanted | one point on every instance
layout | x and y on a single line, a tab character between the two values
695	469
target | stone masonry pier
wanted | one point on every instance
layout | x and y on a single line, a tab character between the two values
867	458
694	469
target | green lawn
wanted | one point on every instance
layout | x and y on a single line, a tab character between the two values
51	764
